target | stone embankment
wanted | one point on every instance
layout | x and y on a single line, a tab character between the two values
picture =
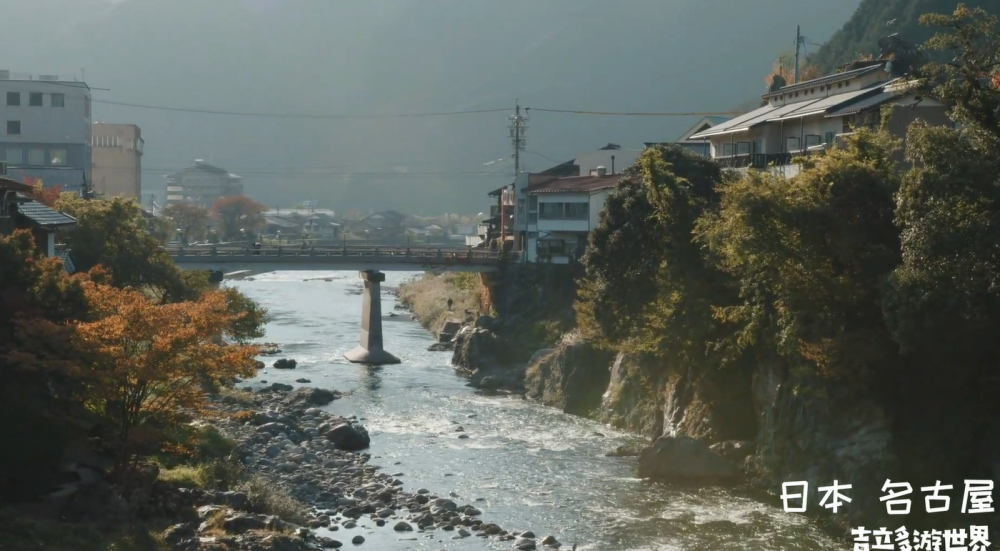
318	458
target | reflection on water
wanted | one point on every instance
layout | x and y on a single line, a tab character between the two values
526	466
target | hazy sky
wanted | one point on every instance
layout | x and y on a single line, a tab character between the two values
382	57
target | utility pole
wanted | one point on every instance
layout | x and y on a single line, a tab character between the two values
517	139
798	43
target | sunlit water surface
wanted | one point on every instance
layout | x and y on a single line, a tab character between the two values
537	468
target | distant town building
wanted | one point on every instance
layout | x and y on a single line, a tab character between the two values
202	185
116	151
45	129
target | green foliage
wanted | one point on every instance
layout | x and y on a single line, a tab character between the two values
647	286
810	255
967	74
113	234
860	36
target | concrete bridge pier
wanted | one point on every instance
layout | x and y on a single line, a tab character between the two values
370	350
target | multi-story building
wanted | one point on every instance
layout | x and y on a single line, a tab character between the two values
117	160
806	117
45	129
202	185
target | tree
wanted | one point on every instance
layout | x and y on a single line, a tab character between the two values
112	233
810	255
45	196
238	212
150	360
191	220
784	67
967	73
646	286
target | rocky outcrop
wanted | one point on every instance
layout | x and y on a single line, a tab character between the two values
685	459
306	397
816	431
650	398
571	377
284	363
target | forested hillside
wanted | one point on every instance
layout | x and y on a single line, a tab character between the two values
872	20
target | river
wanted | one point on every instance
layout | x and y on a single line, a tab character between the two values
532	467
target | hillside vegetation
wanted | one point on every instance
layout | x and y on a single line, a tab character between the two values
860	35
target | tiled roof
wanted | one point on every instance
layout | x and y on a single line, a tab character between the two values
44	216
576	184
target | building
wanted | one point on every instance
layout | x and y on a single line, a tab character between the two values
116	160
810	116
561	214
45	129
701	147
202	185
18	211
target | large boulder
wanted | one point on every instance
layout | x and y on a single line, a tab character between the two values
285	363
449	329
477	348
305	397
349	437
685	459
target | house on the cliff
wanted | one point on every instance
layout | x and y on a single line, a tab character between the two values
808	117
518	222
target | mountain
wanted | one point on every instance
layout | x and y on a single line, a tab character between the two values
860	35
382	57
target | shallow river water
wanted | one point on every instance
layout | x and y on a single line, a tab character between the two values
534	468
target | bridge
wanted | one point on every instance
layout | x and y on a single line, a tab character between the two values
371	262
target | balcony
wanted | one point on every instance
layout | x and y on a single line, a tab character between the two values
762	161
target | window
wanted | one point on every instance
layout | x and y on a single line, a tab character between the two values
36	156
13	128
548	247
791	144
57	156
577	211
533	203
727	149
550	211
35	99
811	140
14	156
13	99
829	137
58	100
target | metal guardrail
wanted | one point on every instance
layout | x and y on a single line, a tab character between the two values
394	254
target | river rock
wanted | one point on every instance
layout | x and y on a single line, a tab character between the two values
734	450
284	363
442	347
449	329
348	437
239	523
624	451
402	527
684	458
178	533
309	397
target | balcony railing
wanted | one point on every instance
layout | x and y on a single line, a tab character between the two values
766	160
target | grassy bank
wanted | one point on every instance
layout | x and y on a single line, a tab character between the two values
427	297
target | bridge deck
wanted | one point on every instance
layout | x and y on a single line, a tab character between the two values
269	259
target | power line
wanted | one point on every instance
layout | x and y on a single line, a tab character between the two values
637	114
297	115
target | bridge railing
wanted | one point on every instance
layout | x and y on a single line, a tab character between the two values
388	253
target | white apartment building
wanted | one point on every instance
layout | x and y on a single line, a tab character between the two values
202	185
45	128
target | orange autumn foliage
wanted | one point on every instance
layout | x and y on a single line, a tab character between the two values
45	196
149	360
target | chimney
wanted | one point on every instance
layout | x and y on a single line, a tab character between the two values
612	164
601	172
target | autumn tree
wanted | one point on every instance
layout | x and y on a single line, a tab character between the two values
191	220
150	360
238	212
784	68
46	196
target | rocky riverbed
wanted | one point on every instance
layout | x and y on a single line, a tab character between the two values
320	459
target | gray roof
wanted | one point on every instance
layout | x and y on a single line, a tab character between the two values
829	79
856	107
43	216
205	167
